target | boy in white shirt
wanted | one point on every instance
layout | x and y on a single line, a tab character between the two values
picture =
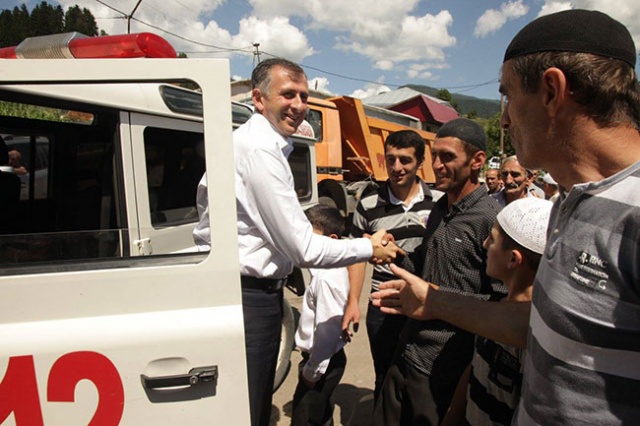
319	335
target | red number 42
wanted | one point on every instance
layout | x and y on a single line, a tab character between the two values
19	388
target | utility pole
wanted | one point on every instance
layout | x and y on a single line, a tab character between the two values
502	156
131	16
256	54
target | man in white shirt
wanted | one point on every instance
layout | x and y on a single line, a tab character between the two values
273	232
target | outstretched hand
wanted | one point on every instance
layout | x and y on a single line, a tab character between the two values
405	296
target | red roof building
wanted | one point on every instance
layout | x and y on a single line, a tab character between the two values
431	112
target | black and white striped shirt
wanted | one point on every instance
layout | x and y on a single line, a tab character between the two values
381	210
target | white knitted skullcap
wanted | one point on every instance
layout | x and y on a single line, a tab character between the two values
548	179
525	221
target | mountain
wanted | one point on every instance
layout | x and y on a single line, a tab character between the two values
485	108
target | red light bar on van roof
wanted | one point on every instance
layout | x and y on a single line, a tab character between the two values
79	46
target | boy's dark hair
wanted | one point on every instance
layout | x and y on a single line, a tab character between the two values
326	219
406	139
509	244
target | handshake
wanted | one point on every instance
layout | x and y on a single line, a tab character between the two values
385	249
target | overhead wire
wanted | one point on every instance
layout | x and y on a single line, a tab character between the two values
460	89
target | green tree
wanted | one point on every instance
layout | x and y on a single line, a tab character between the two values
493	138
45	19
473	114
81	21
445	95
19	24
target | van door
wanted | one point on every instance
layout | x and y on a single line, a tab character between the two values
125	339
168	162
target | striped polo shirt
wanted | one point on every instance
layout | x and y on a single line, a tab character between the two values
583	355
382	210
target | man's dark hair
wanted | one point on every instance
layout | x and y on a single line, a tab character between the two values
607	89
406	139
508	243
326	219
261	75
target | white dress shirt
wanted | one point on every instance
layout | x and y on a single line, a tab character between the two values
273	232
320	325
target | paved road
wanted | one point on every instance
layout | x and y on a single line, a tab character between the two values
353	397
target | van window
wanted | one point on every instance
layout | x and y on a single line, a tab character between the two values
300	163
314	117
65	209
175	165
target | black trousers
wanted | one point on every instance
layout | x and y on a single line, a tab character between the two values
313	406
383	331
410	397
262	310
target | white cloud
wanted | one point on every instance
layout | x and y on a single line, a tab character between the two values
387	33
419	71
384	65
276	36
492	19
320	84
370	90
554	6
625	11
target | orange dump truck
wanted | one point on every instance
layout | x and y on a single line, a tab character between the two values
350	147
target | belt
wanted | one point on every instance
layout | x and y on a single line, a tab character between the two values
268	285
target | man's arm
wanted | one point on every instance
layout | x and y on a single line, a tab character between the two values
352	311
281	220
504	322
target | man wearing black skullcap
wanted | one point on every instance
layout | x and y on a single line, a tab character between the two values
574	110
432	354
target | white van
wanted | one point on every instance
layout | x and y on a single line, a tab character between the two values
108	315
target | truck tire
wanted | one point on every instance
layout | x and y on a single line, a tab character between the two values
286	344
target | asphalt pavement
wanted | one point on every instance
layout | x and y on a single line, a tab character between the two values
353	398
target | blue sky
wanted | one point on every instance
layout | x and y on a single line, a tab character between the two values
350	47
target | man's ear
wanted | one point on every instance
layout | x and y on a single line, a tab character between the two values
256	97
515	260
334	236
555	90
477	160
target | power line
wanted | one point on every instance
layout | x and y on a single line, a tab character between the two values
221	49
112	8
228	49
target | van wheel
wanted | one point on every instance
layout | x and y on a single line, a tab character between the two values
286	344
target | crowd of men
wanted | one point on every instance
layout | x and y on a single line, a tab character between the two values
573	110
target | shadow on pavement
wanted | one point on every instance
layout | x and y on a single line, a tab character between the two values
356	404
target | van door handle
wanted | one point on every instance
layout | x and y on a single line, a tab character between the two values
195	376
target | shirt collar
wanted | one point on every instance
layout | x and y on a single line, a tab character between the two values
422	190
283	143
469	200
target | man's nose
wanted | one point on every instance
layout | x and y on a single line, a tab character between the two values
505	120
298	103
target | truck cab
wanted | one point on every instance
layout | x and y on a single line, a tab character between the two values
110	315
